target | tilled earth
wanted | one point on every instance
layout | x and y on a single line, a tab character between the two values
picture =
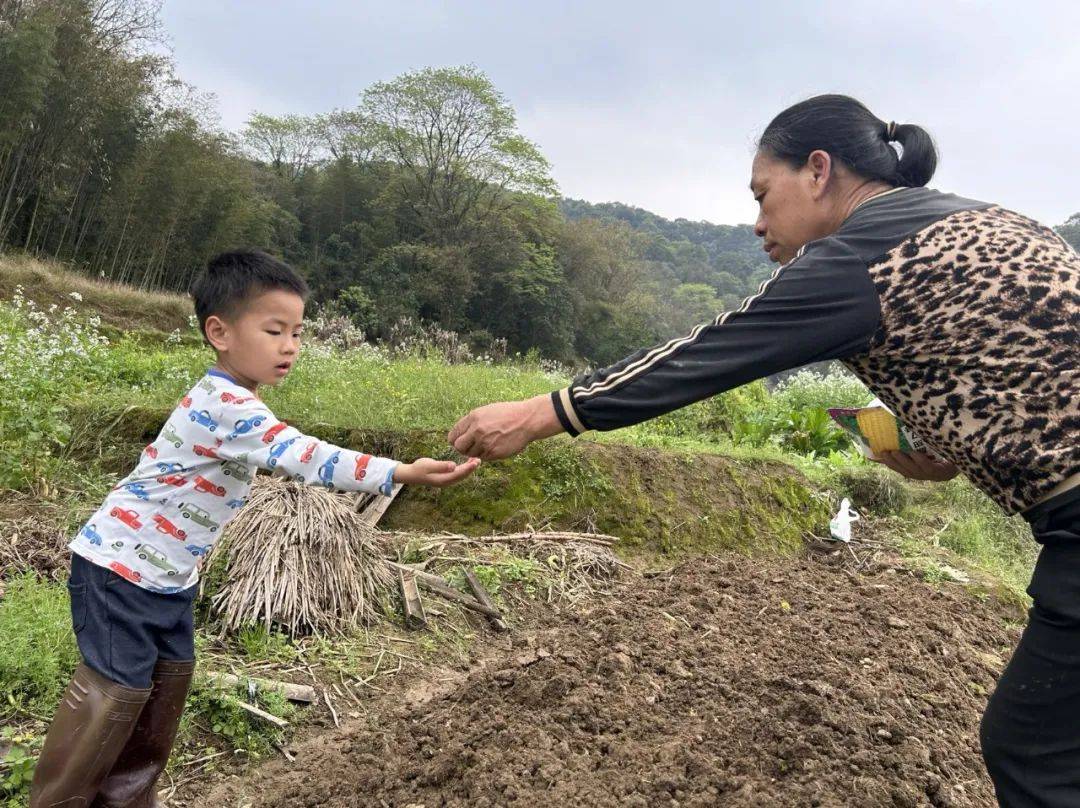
725	682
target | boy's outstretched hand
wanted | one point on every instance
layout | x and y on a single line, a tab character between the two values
437	473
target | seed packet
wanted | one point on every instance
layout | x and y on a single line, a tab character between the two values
875	429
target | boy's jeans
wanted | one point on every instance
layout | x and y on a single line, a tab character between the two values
122	629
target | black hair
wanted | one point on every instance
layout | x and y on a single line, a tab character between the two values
234	278
853	135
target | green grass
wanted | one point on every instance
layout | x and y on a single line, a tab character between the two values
37	647
964	522
358	389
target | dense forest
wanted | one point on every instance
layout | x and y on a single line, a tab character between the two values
422	202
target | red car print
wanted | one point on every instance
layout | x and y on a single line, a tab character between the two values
129	518
273	432
227	398
185	402
361	466
206	451
167	527
204	485
172	479
125	572
308	452
151	452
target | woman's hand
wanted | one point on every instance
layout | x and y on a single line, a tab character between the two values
500	430
436	473
918	466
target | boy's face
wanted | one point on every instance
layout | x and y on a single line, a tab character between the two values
262	341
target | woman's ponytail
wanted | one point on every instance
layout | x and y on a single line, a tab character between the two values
853	136
918	158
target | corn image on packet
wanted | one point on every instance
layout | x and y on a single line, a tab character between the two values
875	429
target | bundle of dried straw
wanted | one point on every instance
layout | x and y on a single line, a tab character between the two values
301	558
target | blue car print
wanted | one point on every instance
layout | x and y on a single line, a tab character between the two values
91	535
203	418
139	490
198	550
278	451
245	425
326	470
170	468
163	590
236	504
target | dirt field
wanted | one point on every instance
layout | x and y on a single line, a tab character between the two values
725	682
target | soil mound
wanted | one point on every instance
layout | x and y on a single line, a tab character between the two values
726	682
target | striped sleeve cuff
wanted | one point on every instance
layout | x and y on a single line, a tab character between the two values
568	415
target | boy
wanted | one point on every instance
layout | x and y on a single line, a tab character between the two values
136	561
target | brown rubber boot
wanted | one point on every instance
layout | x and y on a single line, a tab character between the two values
132	780
93	722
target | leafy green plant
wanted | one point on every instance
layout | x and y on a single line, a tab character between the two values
755	428
259	644
808	390
17	766
44	357
218	711
811	432
509	569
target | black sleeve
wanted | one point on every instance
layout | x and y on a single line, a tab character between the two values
821	305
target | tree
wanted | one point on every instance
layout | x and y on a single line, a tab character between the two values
525	301
1070	231
455	138
287	144
347	135
693	303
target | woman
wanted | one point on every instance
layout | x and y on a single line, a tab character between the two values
963	317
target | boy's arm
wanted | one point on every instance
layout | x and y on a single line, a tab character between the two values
251	434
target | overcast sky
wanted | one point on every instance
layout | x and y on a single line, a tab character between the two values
657	104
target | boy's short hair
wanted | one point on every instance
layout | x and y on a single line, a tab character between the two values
234	278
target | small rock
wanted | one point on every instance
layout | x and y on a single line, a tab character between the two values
505	677
896	622
678	669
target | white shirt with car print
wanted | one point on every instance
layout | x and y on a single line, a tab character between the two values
157	525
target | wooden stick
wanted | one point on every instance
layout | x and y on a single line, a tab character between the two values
410	599
293	692
481	594
373	511
265	716
441	586
333	712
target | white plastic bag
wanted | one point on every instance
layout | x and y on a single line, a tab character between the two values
840	526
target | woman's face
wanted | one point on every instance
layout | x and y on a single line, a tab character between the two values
792	205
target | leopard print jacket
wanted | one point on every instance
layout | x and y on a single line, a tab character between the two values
963	317
977	348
